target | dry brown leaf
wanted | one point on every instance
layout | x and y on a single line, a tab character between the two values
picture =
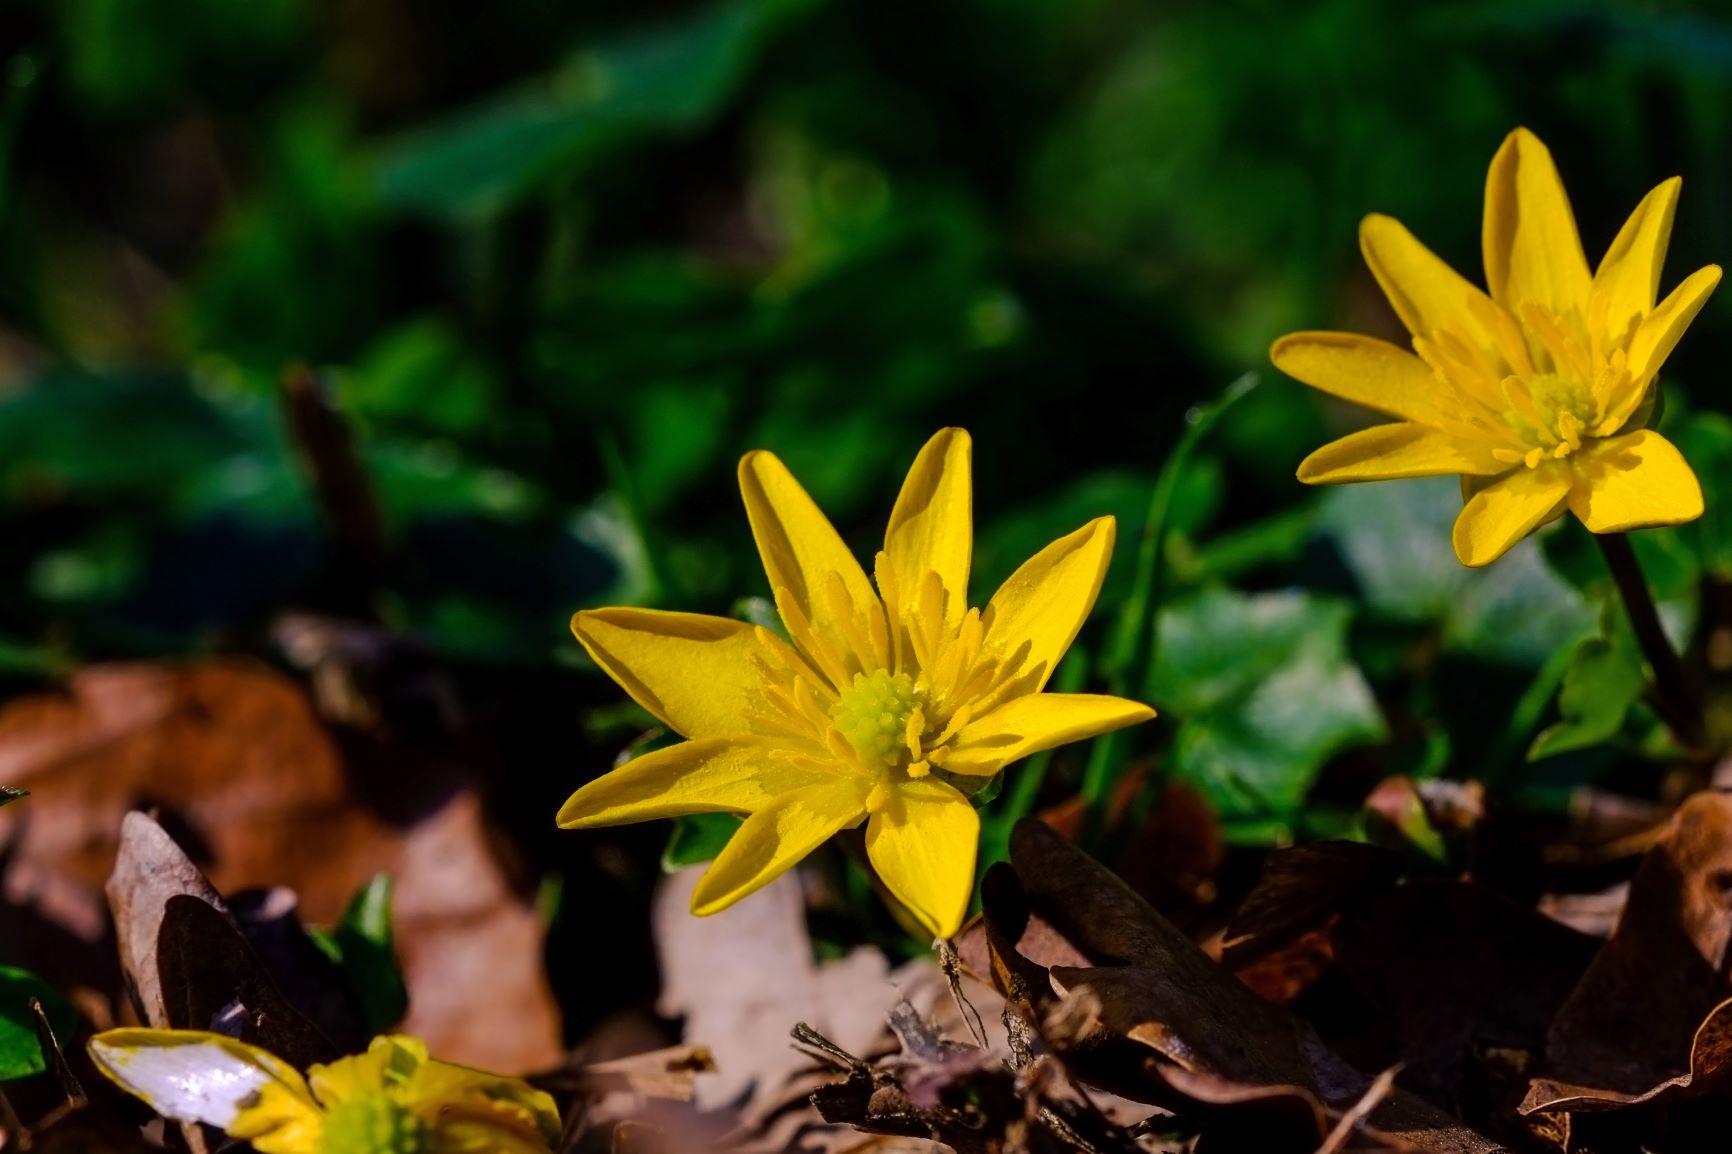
262	794
1451	971
1157	987
742	978
669	1074
1651	1019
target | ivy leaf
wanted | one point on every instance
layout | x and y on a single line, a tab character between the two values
1265	694
1604	681
1395	539
364	948
20	1044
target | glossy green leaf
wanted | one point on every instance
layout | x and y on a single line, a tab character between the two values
21	1051
1263	693
363	946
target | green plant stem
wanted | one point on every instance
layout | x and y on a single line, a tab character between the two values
1131	654
1676	701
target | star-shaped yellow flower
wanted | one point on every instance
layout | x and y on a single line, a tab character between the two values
884	698
1534	394
393	1099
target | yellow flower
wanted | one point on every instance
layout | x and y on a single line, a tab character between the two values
391	1100
1538	394
885	701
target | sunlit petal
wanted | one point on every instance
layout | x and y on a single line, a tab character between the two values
695	673
1039	609
1363	370
922	844
1386	452
1532	250
932	526
1425	292
1633	482
799	547
712	775
776	837
192	1076
1661	330
1030	724
1629	273
1507	510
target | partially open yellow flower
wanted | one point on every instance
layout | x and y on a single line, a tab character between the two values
885	698
1538	394
393	1099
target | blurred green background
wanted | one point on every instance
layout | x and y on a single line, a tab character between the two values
557	265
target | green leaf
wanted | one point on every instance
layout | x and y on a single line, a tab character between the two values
1264	693
698	837
364	948
1705	439
20	1043
1395	539
1604	680
658	82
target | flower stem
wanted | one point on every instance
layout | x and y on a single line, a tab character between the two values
1676	702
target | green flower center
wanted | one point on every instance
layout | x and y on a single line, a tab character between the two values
1563	409
373	1124
873	714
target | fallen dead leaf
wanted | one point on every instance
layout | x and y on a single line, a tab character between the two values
1213	1035
1651	1019
262	794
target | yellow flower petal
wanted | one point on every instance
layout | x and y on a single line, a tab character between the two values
1363	370
776	837
932	526
1384	452
482	1113
1030	724
1532	251
389	1059
193	1076
799	546
711	775
1629	273
1036	613
922	845
1425	292
1633	482
1507	510
694	672
1661	329
279	1121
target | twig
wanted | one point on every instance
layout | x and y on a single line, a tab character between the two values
951	965
343	491
75	1097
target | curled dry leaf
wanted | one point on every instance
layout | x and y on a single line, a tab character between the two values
669	1074
1651	1019
1217	1043
263	794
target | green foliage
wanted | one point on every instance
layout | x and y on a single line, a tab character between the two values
1395	539
1604	681
1264	693
623	91
363	946
698	837
560	265
21	1053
